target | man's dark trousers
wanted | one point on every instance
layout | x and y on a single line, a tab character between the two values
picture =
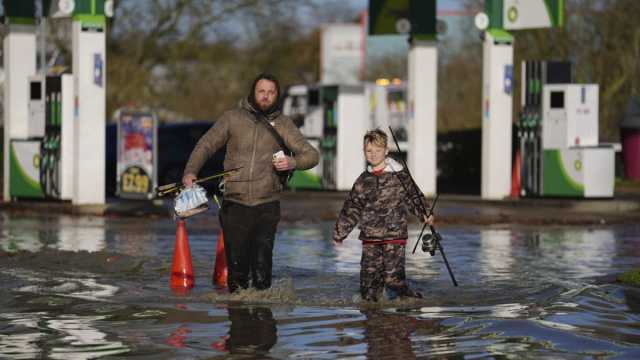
249	233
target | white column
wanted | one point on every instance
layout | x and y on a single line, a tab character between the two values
496	118
19	50
67	156
352	122
422	94
89	58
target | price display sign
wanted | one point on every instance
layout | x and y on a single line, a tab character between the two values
137	154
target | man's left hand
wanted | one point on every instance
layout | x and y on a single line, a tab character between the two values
429	220
284	163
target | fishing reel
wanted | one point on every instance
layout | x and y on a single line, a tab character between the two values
430	242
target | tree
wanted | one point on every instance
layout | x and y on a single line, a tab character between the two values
196	57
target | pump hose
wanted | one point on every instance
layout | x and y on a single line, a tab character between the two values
49	168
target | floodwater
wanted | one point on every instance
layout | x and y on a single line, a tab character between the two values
93	287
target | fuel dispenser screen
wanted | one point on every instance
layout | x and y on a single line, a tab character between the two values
36	90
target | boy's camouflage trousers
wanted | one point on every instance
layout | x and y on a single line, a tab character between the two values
383	265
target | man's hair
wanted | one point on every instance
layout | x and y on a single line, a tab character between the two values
252	91
376	137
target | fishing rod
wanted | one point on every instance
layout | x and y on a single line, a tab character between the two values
173	187
435	236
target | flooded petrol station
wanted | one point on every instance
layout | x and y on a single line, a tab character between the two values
84	287
536	258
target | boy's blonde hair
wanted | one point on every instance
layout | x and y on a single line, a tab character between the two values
376	137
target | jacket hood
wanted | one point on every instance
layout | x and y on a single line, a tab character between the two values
246	105
392	165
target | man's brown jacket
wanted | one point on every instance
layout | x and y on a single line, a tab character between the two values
251	146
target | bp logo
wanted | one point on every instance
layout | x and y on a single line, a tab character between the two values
36	161
577	165
512	14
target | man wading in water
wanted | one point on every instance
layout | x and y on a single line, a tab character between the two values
251	208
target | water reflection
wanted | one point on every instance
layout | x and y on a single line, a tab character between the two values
44	335
73	287
305	248
506	254
81	233
82	339
388	336
496	256
398	334
61	233
500	311
632	298
582	253
21	236
252	330
135	243
348	254
178	336
21	342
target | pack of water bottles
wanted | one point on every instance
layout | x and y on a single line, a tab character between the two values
191	201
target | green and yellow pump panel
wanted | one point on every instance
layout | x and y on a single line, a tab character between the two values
24	168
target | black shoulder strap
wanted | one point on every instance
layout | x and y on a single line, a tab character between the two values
283	175
275	134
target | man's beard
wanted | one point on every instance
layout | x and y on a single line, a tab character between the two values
272	107
265	106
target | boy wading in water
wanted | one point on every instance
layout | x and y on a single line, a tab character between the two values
379	203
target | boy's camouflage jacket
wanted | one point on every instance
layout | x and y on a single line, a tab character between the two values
380	205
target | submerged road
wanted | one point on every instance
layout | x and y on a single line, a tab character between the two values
534	282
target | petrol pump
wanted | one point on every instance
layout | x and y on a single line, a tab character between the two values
54	134
535	76
41	163
574	163
558	135
500	17
19	60
333	118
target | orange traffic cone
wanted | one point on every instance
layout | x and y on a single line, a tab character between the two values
177	338
220	269
515	176
182	270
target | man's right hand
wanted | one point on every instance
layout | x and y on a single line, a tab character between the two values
188	179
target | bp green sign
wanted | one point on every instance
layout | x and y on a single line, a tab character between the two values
530	14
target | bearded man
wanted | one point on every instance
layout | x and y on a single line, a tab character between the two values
250	211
